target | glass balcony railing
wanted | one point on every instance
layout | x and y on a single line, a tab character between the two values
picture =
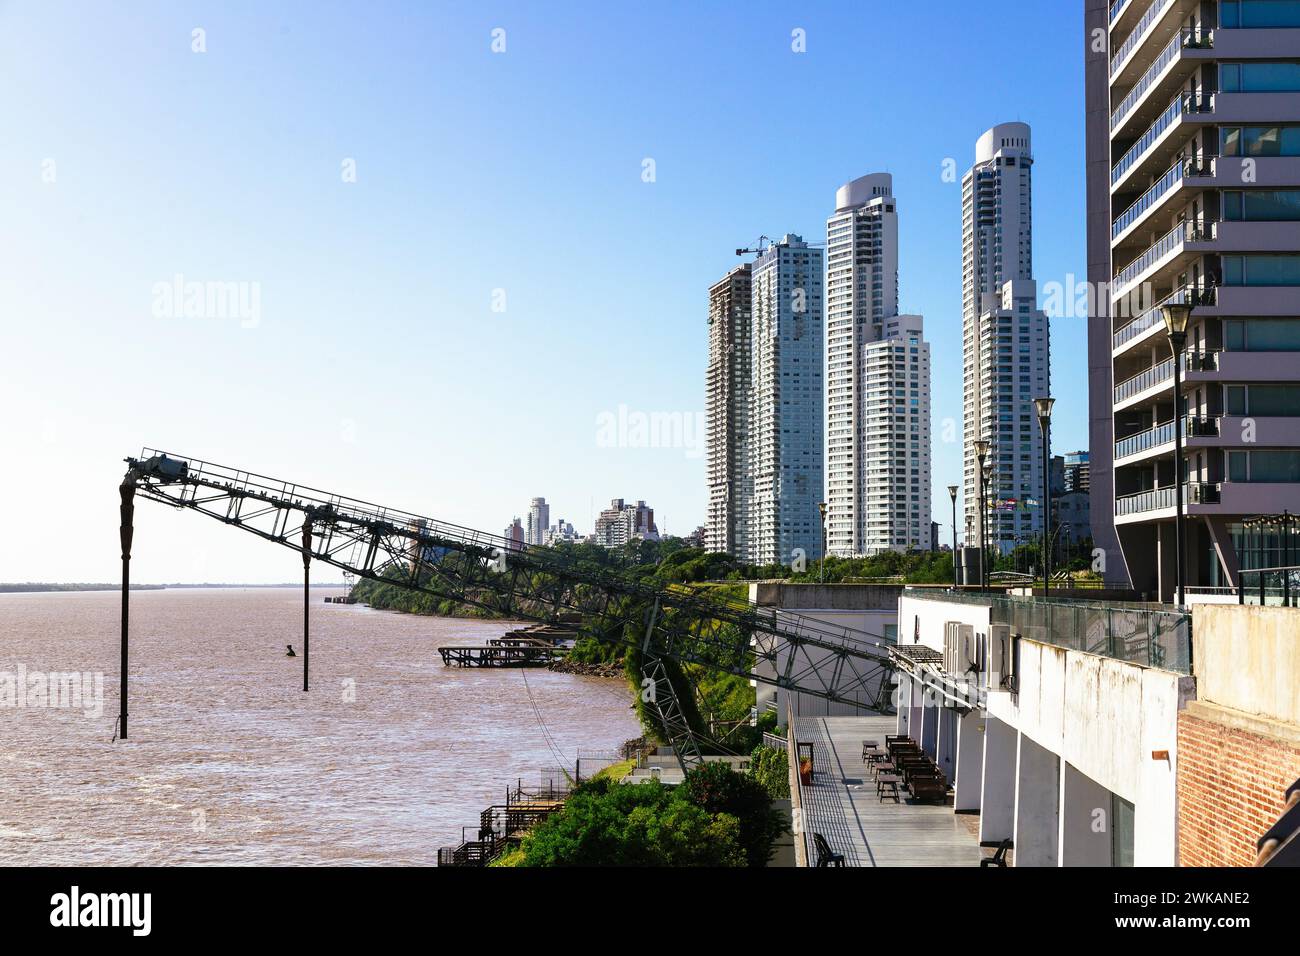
1152	635
1145	441
1172	177
1156	499
1199	165
1182	233
1196	295
1139	325
1116	8
1184	103
1154	12
1188	38
1155	375
1194	426
1162	123
1153	500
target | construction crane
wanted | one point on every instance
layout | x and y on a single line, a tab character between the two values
663	628
760	247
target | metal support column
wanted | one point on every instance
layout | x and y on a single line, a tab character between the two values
127	491
306	600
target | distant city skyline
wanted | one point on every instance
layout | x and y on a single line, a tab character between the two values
372	297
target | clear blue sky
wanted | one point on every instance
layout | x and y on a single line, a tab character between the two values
377	366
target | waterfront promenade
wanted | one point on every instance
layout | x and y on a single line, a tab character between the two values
842	805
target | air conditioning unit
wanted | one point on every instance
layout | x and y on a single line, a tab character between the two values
951	647
967	650
1001	657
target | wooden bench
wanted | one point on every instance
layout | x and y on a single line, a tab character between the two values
929	788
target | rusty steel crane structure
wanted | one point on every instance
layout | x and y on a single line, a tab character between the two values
665	626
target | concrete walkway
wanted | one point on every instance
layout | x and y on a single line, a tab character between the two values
843	807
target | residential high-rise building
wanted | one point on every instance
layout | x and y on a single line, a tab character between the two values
539	519
1193	159
1076	471
894	419
561	532
784	448
1005	340
861	289
514	535
727	411
621	522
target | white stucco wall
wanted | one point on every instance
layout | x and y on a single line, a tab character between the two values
932	615
1103	717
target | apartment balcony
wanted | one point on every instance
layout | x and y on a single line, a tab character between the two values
1179	183
1155	502
1163	78
1145	326
1167	135
1218	499
1166	257
1144	386
1160	21
1144	445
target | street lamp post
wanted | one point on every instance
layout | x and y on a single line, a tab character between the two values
952	493
1175	316
982	453
821	568
1044	408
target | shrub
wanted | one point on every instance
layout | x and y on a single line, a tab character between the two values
770	766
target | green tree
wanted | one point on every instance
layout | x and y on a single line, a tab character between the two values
718	789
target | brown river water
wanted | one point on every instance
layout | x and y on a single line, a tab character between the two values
229	762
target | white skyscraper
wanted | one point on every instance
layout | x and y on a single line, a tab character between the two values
894	419
785	450
877	383
539	519
1005	339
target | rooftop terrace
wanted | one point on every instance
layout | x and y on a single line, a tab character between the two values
842	805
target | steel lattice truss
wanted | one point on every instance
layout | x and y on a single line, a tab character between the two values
541	584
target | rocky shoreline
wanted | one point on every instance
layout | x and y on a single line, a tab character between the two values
607	669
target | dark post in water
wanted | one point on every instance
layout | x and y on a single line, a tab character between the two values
127	490
306	598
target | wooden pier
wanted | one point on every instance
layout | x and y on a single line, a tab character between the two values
501	655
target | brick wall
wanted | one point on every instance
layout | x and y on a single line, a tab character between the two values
1232	774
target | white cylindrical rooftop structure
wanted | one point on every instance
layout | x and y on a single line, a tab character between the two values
863	189
1005	136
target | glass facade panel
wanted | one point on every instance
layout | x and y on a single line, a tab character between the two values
1259	77
1271	335
1264	205
1274	400
1261	141
1264	270
1259	13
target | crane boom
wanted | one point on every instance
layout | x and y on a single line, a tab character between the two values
658	623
